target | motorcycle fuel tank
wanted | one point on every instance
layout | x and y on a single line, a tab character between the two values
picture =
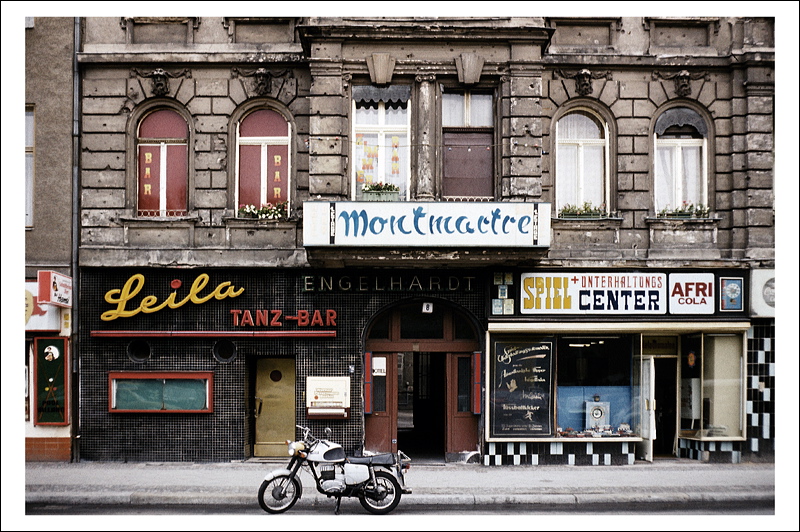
326	451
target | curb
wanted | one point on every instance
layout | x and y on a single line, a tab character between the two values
149	498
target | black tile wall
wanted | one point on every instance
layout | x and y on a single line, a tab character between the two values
226	433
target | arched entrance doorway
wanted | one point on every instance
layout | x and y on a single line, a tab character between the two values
422	381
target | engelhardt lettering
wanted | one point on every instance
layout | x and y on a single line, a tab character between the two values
149	304
394	283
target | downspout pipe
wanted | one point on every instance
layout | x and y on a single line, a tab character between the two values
76	141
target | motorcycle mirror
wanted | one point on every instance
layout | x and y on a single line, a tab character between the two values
328	432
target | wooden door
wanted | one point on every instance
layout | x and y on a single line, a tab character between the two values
461	422
274	406
380	423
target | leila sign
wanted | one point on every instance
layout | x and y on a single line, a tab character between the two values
121	297
433	224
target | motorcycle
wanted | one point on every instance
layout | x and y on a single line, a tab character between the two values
378	481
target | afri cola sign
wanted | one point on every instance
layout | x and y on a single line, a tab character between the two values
428	224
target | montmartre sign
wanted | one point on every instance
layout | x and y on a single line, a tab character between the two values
426	224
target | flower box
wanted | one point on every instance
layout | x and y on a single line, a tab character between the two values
391	195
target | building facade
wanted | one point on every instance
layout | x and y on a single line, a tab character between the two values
505	240
50	411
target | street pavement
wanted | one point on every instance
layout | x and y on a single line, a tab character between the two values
236	483
471	486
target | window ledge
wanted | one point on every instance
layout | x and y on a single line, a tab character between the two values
678	220
259	221
160	220
590	219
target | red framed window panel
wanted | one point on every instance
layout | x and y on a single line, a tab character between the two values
468	138
161	392
163	171
264	160
467	164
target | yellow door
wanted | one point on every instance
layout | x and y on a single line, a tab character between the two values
274	406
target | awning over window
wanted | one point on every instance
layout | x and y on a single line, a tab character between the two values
390	94
680	116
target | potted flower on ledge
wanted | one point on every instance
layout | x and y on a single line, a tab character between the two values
685	210
587	210
380	192
270	211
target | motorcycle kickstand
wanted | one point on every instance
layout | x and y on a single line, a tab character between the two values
336	509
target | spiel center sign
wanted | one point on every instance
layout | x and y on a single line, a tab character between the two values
617	293
426	224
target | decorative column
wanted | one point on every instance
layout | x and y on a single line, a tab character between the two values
426	140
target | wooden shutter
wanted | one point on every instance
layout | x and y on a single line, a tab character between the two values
477	381
368	382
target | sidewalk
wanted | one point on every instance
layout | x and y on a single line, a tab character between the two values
236	483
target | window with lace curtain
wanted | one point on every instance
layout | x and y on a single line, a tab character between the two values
582	174
680	139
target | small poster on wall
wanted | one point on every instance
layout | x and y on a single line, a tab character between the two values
50	382
522	388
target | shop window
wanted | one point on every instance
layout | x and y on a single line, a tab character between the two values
382	132
711	386
160	392
264	163
163	174
680	160
29	153
468	138
582	155
594	370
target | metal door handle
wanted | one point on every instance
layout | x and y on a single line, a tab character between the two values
257	409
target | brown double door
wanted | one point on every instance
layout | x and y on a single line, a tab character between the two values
422	403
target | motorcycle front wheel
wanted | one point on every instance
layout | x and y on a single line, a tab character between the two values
383	496
279	494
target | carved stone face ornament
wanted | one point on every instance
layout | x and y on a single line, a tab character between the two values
160	82
583	82
683	83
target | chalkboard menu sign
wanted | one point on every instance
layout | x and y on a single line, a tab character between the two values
522	387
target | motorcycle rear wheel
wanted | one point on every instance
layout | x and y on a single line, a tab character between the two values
383	497
278	494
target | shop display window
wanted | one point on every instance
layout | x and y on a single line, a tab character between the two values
711	386
160	392
594	393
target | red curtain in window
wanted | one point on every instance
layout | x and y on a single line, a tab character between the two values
250	175
163	133
149	180
265	163
277	173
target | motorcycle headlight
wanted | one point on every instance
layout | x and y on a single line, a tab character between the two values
295	447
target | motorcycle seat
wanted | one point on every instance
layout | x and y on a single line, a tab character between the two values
378	459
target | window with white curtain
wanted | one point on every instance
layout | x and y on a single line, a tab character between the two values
680	160
382	133
582	160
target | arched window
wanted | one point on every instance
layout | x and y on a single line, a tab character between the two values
163	174
264	165
681	175
582	174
